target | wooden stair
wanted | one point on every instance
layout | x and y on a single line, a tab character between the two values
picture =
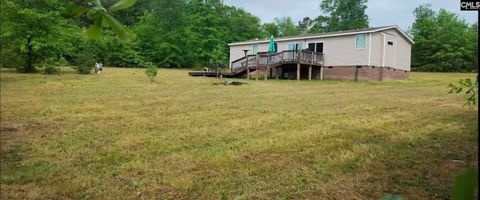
267	61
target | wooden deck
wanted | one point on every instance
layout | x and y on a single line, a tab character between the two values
266	61
263	62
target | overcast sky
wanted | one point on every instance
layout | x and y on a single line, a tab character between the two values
380	12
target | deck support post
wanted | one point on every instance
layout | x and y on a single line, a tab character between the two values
310	72
311	65
266	73
257	67
321	72
248	70
298	71
277	72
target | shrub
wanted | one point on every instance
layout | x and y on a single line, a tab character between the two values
151	72
469	88
51	69
62	61
23	69
10	58
84	62
84	69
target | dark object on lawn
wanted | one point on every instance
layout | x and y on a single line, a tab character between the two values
205	74
224	82
234	83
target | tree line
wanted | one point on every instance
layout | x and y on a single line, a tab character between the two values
443	42
195	33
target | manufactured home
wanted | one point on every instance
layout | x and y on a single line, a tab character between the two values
377	53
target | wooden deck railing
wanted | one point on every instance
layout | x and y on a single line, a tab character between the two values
276	59
241	63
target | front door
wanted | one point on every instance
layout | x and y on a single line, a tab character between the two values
298	46
316	47
290	53
293	49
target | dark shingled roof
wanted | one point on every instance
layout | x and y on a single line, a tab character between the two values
372	29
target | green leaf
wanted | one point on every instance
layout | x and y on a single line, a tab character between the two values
122	4
74	11
117	27
92	13
465	185
97	3
93	32
98	21
104	22
392	197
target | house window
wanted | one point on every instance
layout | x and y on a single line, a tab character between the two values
255	48
296	46
390	43
276	47
361	41
315	47
299	46
311	46
319	48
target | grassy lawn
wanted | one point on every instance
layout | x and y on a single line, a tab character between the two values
119	136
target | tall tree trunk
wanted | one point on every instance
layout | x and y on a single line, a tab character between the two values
29	67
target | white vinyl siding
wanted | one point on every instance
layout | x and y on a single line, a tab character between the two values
341	51
255	48
403	49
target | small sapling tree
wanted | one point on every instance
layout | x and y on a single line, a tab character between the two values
466	182
151	72
469	87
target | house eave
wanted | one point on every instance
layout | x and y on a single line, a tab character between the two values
324	36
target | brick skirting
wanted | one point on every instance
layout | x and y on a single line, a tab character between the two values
363	73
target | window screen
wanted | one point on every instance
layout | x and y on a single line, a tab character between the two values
299	46
361	41
319	48
295	46
291	46
311	46
255	48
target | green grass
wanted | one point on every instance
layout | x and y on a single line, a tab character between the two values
119	136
